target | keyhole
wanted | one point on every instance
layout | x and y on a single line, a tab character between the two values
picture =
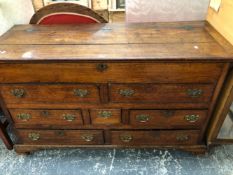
102	67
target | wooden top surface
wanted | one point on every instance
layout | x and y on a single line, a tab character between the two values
121	41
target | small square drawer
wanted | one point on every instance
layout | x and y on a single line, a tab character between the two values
163	137
63	93
46	117
161	93
60	137
105	116
168	119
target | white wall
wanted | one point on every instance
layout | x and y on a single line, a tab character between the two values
165	10
14	12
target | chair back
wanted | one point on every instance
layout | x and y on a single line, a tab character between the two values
66	13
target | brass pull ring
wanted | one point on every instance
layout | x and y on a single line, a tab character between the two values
88	137
126	92
81	92
105	114
194	93
69	117
19	93
34	136
24	116
191	118
126	138
143	118
182	138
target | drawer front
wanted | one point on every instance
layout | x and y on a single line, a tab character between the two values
174	137
50	93
61	137
103	72
40	118
168	119
161	93
105	116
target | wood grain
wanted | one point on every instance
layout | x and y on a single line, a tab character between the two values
156	41
126	33
160	93
87	72
175	105
47	118
161	63
155	137
160	52
168	119
50	94
50	137
97	117
200	149
228	47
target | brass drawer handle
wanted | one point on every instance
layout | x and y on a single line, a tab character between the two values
19	93
24	116
102	67
182	138
105	114
143	118
126	138
81	92
126	92
34	136
69	117
191	118
88	137
194	93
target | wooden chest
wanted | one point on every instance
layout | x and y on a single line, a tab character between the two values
112	85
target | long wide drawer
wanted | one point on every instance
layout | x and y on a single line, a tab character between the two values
161	93
61	137
103	72
46	93
174	137
168	119
47	118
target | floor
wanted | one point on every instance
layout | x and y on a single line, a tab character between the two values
219	161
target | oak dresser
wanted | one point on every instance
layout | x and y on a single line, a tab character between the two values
112	85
